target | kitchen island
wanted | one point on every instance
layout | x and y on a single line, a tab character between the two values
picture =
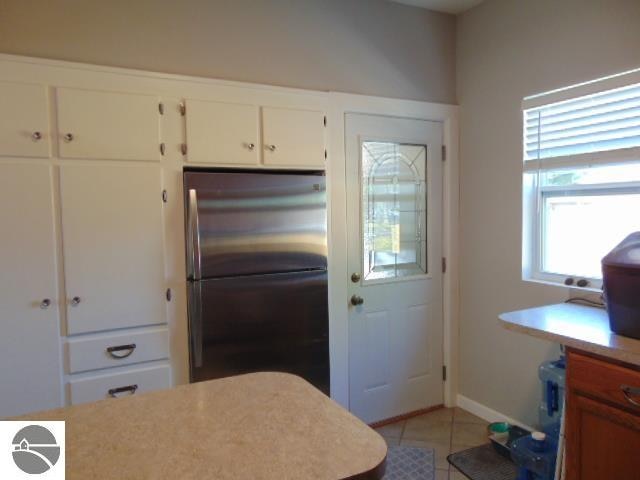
256	426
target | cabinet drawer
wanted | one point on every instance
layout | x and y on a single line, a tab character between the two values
115	350
119	382
602	379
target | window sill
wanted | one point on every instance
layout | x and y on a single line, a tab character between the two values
560	283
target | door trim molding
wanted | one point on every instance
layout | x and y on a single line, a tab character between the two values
341	104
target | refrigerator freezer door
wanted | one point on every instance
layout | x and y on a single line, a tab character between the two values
254	223
276	322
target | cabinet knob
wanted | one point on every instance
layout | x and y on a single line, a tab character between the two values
68	137
251	146
36	136
75	301
45	303
357	300
271	148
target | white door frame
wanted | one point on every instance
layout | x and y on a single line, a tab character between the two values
339	105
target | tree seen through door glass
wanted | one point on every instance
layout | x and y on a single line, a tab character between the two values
394	205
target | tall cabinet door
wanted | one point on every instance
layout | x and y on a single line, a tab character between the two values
222	133
113	246
29	338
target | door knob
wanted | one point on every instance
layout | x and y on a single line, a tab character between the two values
355	277
356	300
45	303
75	301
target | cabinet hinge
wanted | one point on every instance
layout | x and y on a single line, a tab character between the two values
444	265
325	121
161	108
162	149
165	196
183	108
183	148
444	373
444	153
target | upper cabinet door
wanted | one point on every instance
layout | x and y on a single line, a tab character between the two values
106	125
29	342
113	246
222	133
24	127
293	138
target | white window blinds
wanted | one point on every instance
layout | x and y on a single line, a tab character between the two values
598	122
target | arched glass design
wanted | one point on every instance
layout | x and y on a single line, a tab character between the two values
394	210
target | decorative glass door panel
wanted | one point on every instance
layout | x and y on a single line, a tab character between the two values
394	210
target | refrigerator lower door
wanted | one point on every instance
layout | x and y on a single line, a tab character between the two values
276	322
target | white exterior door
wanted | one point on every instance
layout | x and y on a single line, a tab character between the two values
30	339
394	231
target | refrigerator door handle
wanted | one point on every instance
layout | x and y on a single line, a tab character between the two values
195	322
195	254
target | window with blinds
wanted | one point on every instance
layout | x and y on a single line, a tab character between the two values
608	120
581	178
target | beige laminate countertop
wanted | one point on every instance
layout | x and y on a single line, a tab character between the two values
577	326
256	426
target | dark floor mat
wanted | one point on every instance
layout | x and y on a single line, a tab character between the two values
483	463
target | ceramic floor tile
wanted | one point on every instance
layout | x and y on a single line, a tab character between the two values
462	416
442	450
391	430
455	475
420	429
391	441
442	474
471	434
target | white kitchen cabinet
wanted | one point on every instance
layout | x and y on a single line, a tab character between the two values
222	133
108	125
116	349
119	382
24	127
29	319
113	246
292	137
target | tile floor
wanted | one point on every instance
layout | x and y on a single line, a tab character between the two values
447	430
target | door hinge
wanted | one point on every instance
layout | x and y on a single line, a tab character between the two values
183	148
444	153
183	108
444	373
444	265
168	294
325	121
161	108
162	149
165	196
325	153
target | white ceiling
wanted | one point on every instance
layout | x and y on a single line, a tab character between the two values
447	6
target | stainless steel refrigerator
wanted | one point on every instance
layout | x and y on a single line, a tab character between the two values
257	274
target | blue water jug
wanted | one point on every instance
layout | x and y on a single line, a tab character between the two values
552	377
535	456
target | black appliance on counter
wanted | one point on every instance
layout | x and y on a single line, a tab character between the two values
621	282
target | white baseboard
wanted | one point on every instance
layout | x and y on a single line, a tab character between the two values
487	413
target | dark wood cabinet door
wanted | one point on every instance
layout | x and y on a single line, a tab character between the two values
602	438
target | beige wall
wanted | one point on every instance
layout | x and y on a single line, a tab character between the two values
508	49
371	47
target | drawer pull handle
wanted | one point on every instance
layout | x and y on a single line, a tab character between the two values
127	349
113	392
629	392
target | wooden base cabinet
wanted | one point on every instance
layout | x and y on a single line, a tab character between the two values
602	419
